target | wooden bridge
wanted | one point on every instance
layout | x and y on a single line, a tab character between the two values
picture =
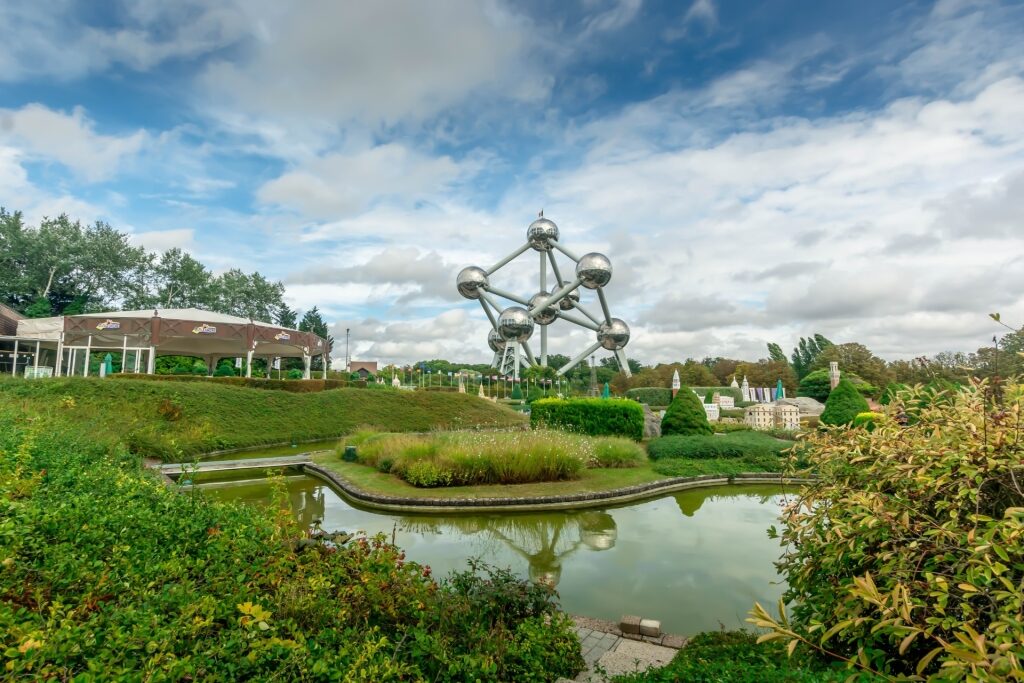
176	469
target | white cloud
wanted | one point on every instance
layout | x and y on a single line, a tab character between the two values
69	139
162	240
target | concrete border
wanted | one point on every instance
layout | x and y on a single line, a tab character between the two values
573	501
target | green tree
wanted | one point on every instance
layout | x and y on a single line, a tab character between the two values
180	281
313	322
775	353
857	359
843	404
818	384
685	415
286	317
806	352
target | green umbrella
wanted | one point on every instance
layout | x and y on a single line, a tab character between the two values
108	360
779	391
606	392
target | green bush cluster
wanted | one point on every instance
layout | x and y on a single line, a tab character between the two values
685	415
109	574
224	370
652	396
300	387
866	420
468	458
843	405
591	416
735	445
817	385
727	427
906	556
735	413
737	657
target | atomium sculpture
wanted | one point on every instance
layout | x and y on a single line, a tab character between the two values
513	326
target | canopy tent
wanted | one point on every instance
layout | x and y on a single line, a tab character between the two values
172	331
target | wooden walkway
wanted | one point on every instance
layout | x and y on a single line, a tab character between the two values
177	468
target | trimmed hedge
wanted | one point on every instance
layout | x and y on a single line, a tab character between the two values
295	386
652	396
735	445
844	404
591	416
685	415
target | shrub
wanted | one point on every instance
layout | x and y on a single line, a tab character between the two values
709	398
906	555
685	415
295	374
224	370
700	447
891	390
843	405
591	416
817	385
617	452
866	420
735	413
653	396
728	427
517	392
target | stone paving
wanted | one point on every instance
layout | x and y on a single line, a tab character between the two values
605	648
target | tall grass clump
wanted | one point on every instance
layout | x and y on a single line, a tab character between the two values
466	458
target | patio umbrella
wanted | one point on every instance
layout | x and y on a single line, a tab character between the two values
606	392
780	391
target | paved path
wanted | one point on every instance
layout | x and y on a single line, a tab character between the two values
609	652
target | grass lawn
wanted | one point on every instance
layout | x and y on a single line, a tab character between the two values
369	479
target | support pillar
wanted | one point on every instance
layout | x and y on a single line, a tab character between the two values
151	361
35	363
248	363
324	356
307	361
88	355
14	362
211	364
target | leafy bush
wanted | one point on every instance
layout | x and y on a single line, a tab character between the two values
685	415
700	447
465	458
735	413
727	427
817	385
737	657
866	420
890	392
654	396
843	405
295	374
224	370
107	569
709	397
906	555
517	393
591	416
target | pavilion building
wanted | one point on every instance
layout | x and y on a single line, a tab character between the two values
61	346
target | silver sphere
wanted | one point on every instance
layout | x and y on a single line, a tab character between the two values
567	301
595	270
470	281
614	335
515	324
545	316
495	341
540	233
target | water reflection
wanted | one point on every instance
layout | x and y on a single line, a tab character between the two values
542	540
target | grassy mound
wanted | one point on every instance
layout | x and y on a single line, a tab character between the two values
732	453
467	458
172	420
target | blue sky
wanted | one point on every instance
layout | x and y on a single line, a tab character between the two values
756	171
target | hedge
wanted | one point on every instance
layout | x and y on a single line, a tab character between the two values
439	388
735	445
295	386
652	396
844	404
591	416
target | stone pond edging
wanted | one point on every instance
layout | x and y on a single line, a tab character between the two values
626	494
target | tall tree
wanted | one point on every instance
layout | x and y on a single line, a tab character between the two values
775	353
286	317
181	281
806	352
857	359
313	322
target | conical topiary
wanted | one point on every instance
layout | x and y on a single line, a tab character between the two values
843	404
685	415
517	393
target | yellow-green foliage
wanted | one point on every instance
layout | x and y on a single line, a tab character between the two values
907	556
463	458
593	416
211	417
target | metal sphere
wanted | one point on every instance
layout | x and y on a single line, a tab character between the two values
540	233
515	324
566	302
495	341
545	316
595	270
470	280
614	335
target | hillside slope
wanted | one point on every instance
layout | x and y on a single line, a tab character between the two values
171	420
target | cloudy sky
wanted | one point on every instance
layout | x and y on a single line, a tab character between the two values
756	171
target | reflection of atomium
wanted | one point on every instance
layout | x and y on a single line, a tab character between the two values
543	540
512	327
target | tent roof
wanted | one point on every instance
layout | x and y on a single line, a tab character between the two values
177	314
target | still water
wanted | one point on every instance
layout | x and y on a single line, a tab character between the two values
696	560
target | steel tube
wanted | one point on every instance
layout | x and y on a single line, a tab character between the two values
620	355
506	295
604	305
579	321
587	313
555	297
554	267
578	359
490	316
565	251
505	261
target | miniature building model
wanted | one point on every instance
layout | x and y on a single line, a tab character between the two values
786	416
712	410
760	416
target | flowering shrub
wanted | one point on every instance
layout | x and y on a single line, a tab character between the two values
906	557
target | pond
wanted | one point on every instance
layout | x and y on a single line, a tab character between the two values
696	560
